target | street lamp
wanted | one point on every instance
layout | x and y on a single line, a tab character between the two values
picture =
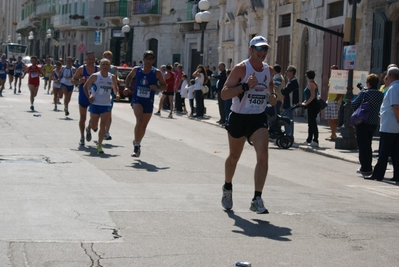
48	36
19	38
126	31
202	18
9	39
31	37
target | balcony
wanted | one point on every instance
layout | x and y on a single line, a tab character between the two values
45	10
145	10
62	21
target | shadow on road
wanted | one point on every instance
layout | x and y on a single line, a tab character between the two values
259	228
139	164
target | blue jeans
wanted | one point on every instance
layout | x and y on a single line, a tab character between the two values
227	106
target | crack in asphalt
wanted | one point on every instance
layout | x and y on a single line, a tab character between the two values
93	255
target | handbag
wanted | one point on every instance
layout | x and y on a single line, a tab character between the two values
205	89
361	114
322	104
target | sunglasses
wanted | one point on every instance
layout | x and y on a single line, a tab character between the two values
149	58
260	48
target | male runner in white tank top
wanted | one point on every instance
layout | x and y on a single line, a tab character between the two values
250	86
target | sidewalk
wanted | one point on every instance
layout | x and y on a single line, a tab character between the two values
326	148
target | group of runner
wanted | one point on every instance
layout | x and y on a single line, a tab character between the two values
13	68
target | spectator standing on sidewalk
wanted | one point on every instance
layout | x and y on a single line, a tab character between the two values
332	110
292	87
250	86
190	94
279	83
213	82
227	102
178	69
310	103
221	79
170	87
200	80
365	131
208	81
389	128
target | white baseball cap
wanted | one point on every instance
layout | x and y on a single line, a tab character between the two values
258	41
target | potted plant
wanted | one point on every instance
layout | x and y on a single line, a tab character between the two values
97	17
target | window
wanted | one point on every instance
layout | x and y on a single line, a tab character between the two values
285	20
335	9
75	7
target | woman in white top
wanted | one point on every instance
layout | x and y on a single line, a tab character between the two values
183	92
101	85
200	80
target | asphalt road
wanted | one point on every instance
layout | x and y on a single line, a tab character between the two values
64	206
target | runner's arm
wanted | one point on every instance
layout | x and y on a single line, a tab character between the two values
76	78
115	88
232	86
130	77
88	84
162	83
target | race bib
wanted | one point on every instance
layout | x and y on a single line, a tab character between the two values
34	74
17	71
255	101
103	91
143	92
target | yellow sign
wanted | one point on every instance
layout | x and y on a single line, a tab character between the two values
56	43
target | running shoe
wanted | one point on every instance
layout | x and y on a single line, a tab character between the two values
314	144
15	91
258	207
1	93
66	112
88	134
107	136
55	108
100	149
227	199
170	116
136	152
82	141
157	113
32	108
19	91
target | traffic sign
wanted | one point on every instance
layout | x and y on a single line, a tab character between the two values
349	57
82	48
56	43
339	81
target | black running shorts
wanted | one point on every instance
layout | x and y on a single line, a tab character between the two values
239	125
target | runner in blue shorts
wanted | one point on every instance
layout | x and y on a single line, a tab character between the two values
3	73
66	83
108	55
19	69
101	85
147	80
80	77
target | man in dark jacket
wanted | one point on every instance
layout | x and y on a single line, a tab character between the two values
220	83
292	86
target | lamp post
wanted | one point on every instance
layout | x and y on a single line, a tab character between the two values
48	36
19	38
202	18
348	140
126	31
31	37
9	39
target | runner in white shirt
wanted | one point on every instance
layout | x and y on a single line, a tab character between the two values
251	87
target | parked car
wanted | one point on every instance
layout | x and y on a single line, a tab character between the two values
122	73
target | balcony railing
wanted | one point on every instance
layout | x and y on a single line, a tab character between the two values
45	9
136	7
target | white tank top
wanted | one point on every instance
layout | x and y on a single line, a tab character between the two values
67	76
254	100
101	90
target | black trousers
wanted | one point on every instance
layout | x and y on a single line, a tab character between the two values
199	103
222	112
389	146
313	131
364	138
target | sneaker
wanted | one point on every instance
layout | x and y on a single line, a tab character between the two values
66	112
82	141
1	93
227	199
19	91
88	134
32	108
157	113
170	116
258	207
100	149
314	144
136	152
55	108
59	102
15	91
107	136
